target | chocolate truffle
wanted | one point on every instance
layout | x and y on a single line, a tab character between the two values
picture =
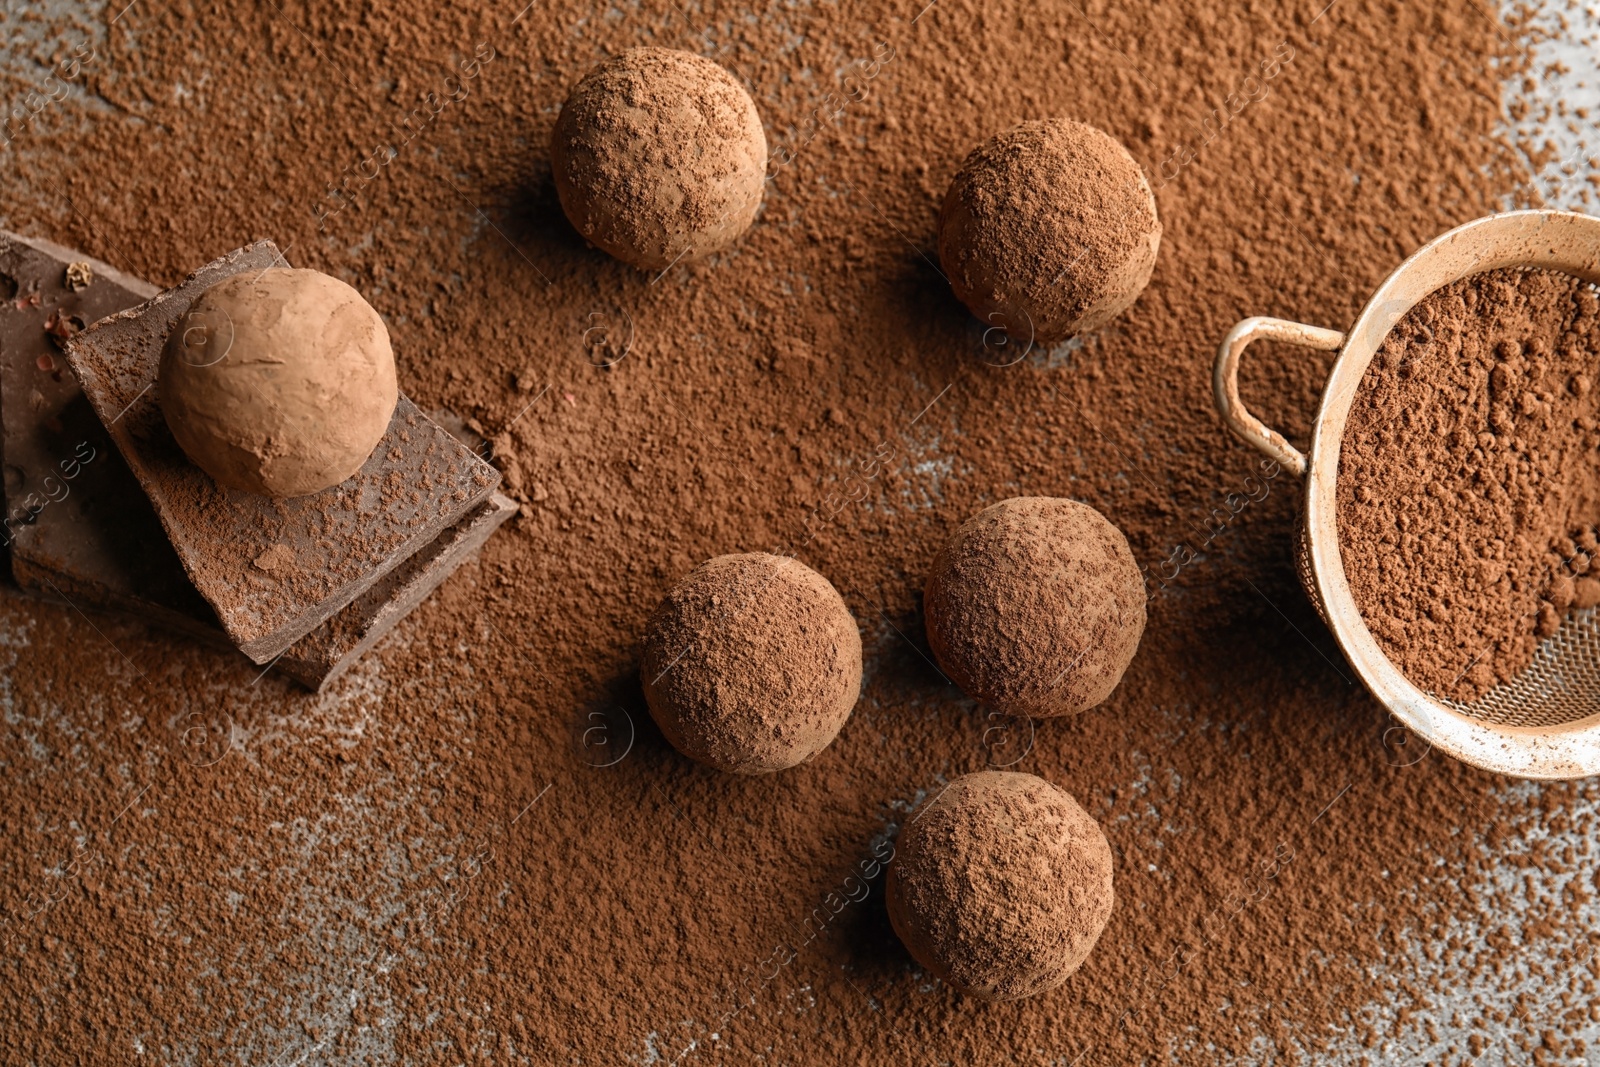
751	663
278	382
1035	607
1049	230
1001	886
659	157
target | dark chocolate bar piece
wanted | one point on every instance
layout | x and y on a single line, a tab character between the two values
324	654
76	522
272	570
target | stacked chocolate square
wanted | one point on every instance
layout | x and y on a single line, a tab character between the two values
105	511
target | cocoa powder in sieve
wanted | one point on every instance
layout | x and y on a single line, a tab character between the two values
1469	477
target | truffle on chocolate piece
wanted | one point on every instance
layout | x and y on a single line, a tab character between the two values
659	157
101	546
279	382
1035	607
234	545
1001	886
752	663
1049	230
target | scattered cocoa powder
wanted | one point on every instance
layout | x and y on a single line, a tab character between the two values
1049	229
1001	886
1469	477
751	663
476	845
1035	607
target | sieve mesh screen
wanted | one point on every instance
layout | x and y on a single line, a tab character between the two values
1560	686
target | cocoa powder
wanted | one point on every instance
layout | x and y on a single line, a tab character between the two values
477	846
1468	486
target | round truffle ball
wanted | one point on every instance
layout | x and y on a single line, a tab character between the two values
278	382
1001	886
1049	230
752	663
659	157
1035	607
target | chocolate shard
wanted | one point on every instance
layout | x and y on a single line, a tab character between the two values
322	655
271	570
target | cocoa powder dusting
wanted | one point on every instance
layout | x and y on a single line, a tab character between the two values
476	847
1469	480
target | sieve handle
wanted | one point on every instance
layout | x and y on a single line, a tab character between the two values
1225	382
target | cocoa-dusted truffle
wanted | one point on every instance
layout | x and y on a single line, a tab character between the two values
659	157
1001	886
1049	230
279	382
751	663
1035	607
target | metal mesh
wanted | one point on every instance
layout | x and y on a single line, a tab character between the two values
1560	686
1302	567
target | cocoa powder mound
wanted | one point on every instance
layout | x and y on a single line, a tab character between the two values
1469	479
477	846
1001	885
